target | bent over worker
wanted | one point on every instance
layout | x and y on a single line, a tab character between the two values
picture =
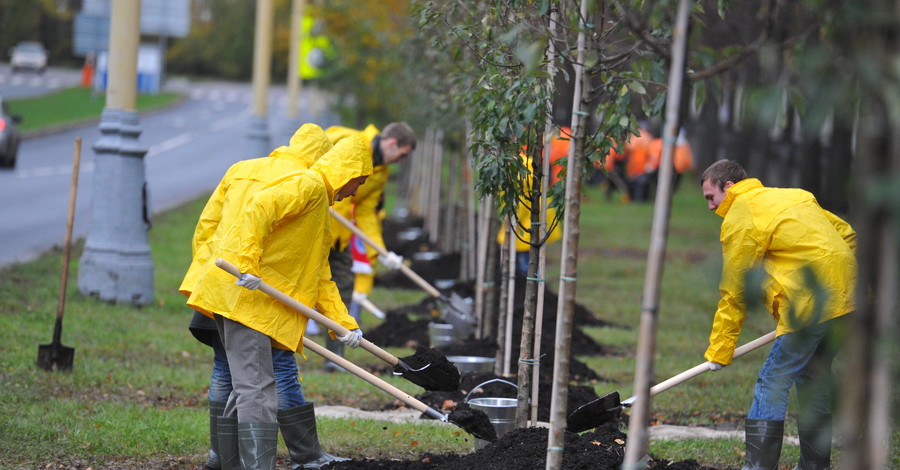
296	417
290	213
804	250
355	276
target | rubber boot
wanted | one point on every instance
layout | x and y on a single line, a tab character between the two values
228	443
763	443
815	445
257	444
336	347
216	409
298	427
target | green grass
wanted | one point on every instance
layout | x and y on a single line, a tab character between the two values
138	389
73	105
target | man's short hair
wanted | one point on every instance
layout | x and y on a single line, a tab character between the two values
401	131
722	172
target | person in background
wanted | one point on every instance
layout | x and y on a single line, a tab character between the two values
682	158
237	389
355	276
808	256
636	152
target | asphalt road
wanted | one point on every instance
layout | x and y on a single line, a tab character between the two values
190	147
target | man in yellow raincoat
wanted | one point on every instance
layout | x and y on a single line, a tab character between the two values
355	280
808	255
279	234
296	416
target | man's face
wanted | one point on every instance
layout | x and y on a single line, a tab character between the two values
350	188
392	152
714	196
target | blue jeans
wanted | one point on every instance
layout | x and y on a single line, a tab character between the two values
290	392
804	359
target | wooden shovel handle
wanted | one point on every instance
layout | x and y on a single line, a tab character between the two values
381	251
310	313
372	379
701	368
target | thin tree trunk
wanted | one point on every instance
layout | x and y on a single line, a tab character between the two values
501	307
636	448
491	290
569	269
510	298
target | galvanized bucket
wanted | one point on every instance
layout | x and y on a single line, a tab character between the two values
500	411
441	334
473	364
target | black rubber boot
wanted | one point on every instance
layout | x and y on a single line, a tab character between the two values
298	427
763	441
336	347
228	443
815	444
216	409
258	445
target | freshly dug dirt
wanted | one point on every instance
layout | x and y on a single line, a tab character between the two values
601	449
440	375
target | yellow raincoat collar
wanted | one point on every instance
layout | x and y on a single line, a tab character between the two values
308	144
349	158
734	191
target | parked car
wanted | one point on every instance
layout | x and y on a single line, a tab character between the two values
10	137
28	55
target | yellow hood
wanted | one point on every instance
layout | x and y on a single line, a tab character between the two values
348	159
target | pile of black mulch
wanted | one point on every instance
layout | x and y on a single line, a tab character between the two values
601	449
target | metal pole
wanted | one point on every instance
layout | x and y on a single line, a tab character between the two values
262	63
116	265
294	84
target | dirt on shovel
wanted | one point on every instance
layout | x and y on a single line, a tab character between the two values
432	366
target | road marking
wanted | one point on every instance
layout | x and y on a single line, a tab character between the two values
56	170
169	144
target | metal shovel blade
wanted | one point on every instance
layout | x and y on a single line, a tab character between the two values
433	371
55	357
595	413
458	312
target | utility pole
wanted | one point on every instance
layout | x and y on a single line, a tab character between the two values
293	76
262	75
116	265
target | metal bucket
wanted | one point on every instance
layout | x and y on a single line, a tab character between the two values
500	411
473	364
441	334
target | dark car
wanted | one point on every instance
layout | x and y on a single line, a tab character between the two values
9	136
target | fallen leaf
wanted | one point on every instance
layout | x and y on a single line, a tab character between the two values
620	442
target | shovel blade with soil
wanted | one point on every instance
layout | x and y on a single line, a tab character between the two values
608	407
428	370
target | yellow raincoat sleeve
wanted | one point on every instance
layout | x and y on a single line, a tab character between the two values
365	212
740	253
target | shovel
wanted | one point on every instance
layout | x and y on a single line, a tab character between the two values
606	408
55	356
474	422
434	375
459	314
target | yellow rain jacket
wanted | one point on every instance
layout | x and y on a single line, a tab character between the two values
243	179
284	237
523	214
363	206
786	232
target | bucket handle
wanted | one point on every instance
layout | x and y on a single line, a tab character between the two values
487	382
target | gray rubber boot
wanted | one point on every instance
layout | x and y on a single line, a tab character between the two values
228	443
298	427
216	409
763	441
815	444
336	347
258	445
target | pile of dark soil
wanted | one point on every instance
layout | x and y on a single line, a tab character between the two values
601	449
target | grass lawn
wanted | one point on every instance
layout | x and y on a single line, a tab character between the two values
138	389
73	105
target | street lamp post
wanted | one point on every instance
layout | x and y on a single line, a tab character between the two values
262	63
116	265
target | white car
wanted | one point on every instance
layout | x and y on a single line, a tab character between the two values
28	55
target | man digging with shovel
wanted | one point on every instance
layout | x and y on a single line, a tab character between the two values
281	234
807	254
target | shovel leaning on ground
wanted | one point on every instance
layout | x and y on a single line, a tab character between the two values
55	356
599	411
431	376
459	314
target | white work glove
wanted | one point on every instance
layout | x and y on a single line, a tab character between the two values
392	261
249	281
352	338
715	366
359	297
